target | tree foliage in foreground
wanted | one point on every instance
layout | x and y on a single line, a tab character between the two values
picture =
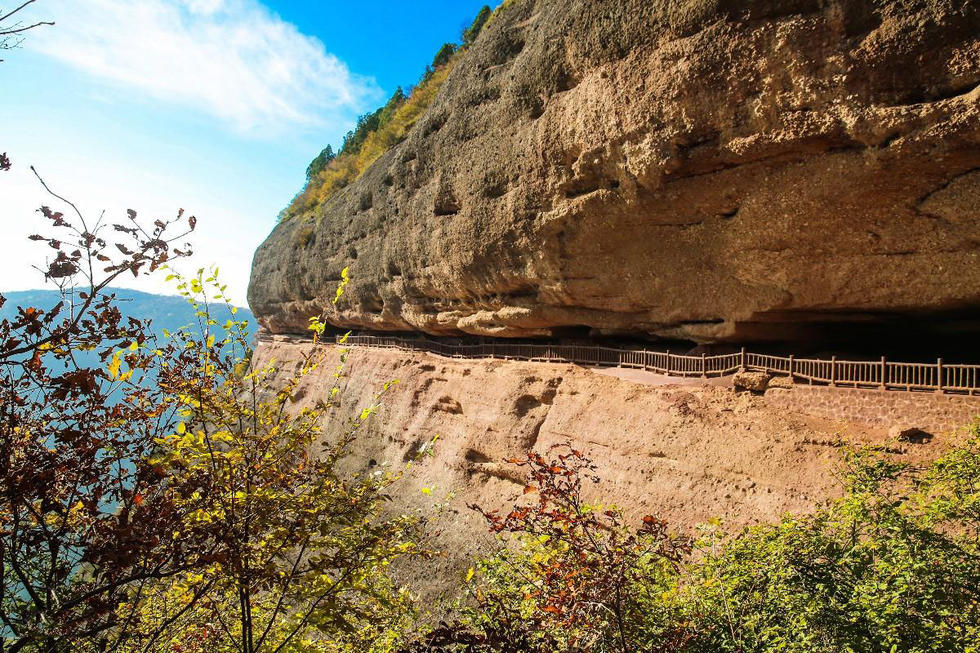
893	565
80	522
302	548
168	497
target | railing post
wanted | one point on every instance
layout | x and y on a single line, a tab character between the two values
668	362
939	375
644	359
884	373
704	366
833	370
743	364
792	367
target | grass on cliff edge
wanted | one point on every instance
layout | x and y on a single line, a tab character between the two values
381	130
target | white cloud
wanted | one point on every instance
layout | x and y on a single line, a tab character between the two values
233	59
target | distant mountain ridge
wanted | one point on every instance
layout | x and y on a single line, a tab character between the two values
165	312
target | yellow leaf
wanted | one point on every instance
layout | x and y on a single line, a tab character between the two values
181	428
469	574
426	490
113	367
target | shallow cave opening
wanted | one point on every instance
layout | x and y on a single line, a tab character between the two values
953	336
910	337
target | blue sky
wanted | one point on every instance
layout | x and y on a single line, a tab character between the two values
214	106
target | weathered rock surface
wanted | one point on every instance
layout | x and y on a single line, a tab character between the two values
706	169
683	450
752	381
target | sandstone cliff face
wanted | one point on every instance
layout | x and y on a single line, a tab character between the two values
685	453
704	169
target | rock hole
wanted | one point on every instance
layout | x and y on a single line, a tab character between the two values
446	203
366	202
494	188
525	404
914	436
434	124
474	456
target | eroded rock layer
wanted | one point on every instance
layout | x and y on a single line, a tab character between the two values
704	169
684	451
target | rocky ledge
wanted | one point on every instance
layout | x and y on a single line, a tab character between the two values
713	170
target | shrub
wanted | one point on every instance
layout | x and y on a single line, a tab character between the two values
578	578
473	31
893	565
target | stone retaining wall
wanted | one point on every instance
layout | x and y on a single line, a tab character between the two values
932	412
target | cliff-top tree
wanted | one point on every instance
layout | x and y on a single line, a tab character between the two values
473	31
320	162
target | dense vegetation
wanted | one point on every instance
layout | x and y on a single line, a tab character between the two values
156	494
164	493
893	565
379	131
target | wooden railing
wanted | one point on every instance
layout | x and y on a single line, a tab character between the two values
881	374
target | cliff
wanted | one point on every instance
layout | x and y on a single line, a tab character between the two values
712	170
683	451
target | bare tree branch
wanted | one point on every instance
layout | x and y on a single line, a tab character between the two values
10	33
